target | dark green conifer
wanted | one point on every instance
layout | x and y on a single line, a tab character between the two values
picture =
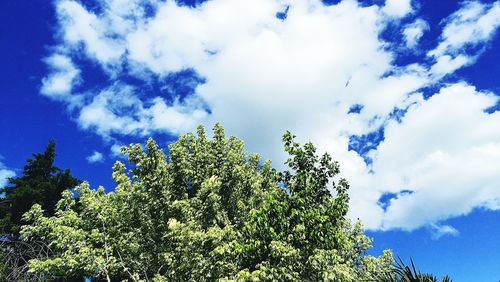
41	183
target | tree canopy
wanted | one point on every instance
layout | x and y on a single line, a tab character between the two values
207	212
41	183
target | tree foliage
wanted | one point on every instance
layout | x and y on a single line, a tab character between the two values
208	212
402	272
41	183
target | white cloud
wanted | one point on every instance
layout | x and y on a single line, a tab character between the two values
104	113
5	174
265	75
474	23
397	8
464	35
445	150
83	28
116	151
439	231
118	110
96	157
414	31
64	75
446	64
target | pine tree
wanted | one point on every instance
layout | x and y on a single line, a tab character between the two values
41	183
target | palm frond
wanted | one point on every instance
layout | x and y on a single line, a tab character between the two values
403	272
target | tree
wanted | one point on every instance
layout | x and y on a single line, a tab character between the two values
41	183
208	212
402	272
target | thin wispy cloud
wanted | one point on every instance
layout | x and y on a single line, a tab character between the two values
464	36
443	230
262	67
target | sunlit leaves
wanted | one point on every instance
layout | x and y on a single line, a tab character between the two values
208	211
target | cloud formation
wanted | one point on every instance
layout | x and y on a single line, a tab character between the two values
96	157
445	150
397	8
464	36
302	70
63	76
443	230
414	31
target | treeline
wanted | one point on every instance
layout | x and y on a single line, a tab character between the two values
205	212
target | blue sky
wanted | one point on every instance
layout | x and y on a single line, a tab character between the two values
405	94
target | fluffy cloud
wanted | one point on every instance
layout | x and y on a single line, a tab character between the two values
414	31
444	150
64	75
96	157
83	29
397	8
303	71
118	110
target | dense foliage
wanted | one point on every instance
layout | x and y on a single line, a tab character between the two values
208	212
41	183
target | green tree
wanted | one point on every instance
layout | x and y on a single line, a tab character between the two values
41	183
208	212
402	272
